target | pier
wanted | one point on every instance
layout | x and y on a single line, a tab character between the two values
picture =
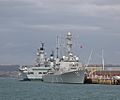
103	77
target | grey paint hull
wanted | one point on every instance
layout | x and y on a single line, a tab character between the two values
68	77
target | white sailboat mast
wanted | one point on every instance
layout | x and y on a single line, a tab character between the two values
103	63
89	58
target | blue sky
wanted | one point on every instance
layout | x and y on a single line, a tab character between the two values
24	23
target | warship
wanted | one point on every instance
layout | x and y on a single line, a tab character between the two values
68	68
35	72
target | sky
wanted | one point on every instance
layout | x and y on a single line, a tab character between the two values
25	23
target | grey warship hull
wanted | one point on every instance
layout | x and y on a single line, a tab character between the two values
75	77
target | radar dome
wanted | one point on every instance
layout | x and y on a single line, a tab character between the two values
63	57
69	33
77	58
37	54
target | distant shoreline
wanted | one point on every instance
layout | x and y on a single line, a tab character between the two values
9	71
12	74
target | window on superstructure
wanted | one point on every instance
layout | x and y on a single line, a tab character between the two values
40	72
30	73
44	72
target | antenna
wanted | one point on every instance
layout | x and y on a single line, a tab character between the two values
103	60
57	48
42	44
52	54
42	48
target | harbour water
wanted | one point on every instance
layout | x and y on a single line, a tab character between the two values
12	89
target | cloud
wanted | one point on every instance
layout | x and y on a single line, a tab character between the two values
58	27
14	45
24	23
87	7
99	10
83	7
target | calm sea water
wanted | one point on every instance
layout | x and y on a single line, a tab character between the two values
12	89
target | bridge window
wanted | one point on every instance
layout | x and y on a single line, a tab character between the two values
30	73
44	72
40	72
